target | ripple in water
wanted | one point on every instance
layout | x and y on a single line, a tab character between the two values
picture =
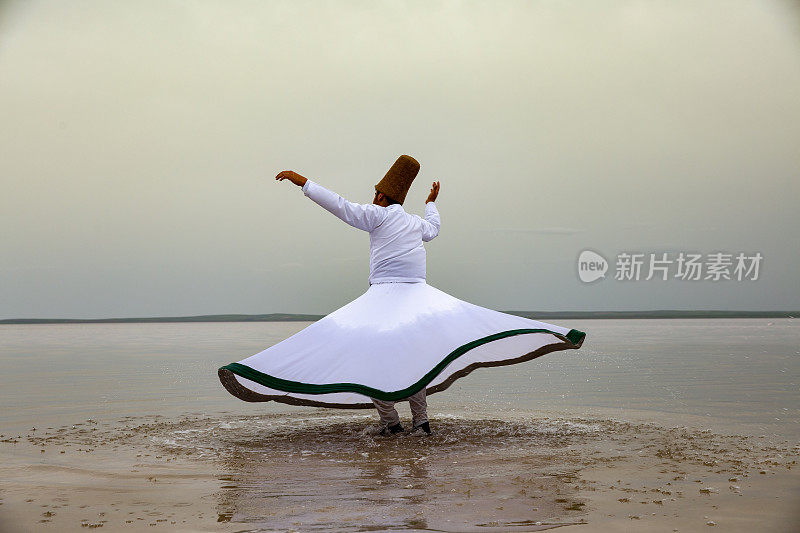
332	472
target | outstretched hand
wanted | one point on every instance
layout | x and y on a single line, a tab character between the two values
434	192
292	176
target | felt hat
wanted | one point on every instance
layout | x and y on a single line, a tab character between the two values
397	181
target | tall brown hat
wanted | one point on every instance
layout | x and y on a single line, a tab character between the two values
397	181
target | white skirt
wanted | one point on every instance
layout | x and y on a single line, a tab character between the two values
389	343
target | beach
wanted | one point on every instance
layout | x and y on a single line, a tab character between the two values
187	184
653	425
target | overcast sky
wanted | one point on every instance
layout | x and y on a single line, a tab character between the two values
139	141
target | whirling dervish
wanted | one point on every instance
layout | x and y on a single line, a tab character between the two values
403	339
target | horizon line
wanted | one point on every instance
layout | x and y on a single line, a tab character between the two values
311	317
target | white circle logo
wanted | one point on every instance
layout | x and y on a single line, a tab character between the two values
591	266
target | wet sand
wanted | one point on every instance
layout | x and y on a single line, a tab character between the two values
326	471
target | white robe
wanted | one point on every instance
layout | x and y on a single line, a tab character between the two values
396	252
399	336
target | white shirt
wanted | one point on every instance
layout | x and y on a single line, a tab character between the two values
396	253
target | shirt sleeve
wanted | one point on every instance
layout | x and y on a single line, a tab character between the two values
362	216
431	223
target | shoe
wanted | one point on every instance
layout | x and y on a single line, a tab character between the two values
397	428
425	426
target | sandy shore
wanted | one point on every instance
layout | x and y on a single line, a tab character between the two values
323	472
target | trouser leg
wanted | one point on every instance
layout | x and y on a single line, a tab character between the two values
419	407
387	412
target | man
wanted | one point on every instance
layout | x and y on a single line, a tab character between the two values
397	254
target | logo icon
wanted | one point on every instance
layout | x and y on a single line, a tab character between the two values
591	266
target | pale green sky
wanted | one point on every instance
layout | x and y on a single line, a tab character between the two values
138	142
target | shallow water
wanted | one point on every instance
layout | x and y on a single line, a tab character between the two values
322	472
724	373
669	423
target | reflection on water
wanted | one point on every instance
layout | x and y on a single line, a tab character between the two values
337	473
333	473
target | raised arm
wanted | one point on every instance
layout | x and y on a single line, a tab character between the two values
362	216
432	222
